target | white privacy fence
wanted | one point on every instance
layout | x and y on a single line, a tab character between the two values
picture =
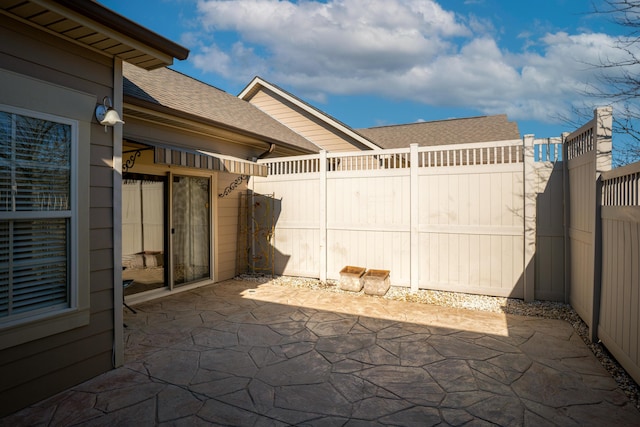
447	217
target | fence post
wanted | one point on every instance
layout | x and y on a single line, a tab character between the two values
414	218
604	125
603	118
323	215
529	223
566	217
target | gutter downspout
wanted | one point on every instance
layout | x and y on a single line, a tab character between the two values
118	298
272	147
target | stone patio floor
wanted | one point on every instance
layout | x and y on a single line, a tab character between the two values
241	353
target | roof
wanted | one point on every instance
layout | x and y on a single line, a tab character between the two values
182	96
89	24
257	83
444	132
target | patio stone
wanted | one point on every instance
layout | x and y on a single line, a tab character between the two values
216	339
554	388
374	408
453	375
237	353
138	414
173	366
499	410
418	353
309	368
320	398
257	335
230	360
176	402
456	348
77	408
418	416
114	400
220	387
413	384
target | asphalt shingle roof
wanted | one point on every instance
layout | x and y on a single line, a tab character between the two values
444	132
179	92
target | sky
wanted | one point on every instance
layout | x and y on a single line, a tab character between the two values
383	62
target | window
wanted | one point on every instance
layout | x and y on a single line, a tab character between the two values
36	215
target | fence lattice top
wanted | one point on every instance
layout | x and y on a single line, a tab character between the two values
496	153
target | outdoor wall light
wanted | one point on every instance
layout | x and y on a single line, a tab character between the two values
106	115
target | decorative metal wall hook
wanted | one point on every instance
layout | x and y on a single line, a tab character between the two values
131	161
233	185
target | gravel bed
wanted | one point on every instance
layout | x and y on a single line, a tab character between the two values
544	309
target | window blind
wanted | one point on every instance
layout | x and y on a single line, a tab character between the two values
35	189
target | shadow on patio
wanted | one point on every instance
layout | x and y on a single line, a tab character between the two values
242	353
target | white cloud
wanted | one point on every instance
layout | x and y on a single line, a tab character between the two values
412	49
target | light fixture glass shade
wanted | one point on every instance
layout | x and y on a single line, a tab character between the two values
111	118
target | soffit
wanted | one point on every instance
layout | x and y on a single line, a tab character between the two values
183	123
93	26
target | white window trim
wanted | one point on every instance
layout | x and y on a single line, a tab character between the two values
29	328
71	214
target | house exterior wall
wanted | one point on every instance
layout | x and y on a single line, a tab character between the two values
65	80
303	123
224	208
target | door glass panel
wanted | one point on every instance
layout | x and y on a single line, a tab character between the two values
143	233
191	229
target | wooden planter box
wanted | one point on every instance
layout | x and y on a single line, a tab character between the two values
153	259
351	278
376	282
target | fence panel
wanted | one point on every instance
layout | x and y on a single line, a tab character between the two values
368	221
549	201
297	222
471	228
619	321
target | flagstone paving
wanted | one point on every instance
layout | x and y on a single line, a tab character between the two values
245	354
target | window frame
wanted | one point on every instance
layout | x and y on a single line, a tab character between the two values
31	97
68	214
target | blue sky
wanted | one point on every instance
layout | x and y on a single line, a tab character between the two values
374	62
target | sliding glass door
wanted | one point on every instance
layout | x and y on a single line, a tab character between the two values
191	229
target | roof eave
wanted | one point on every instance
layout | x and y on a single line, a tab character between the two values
144	47
146	106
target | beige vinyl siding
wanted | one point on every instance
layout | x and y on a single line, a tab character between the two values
227	226
303	123
40	368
